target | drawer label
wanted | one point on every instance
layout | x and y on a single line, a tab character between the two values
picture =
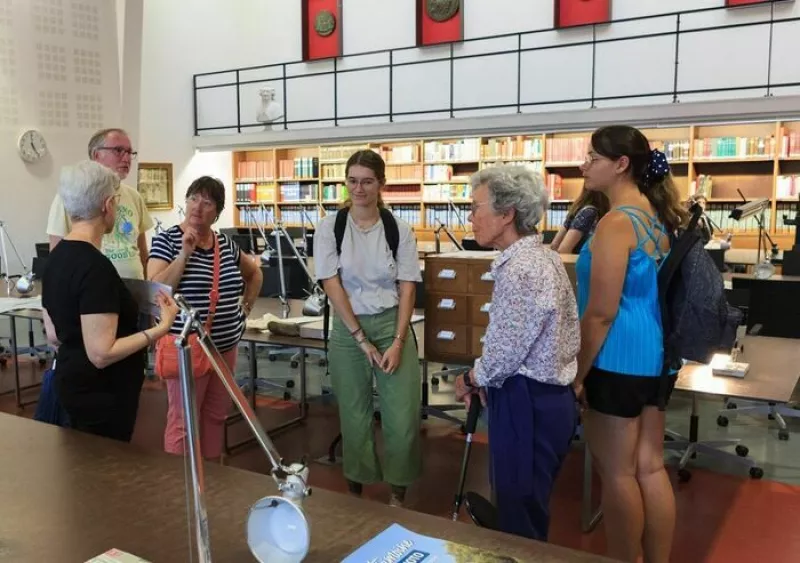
486	306
447	304
446	335
447	274
487	277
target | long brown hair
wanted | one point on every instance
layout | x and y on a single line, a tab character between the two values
372	160
592	198
616	141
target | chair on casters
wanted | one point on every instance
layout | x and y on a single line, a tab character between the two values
773	310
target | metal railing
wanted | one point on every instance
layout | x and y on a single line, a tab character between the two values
678	29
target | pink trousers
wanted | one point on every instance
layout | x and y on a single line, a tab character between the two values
213	404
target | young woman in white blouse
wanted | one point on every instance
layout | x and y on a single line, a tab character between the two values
525	372
372	295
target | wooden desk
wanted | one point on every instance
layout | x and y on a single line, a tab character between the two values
69	496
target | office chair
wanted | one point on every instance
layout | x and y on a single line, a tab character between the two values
773	310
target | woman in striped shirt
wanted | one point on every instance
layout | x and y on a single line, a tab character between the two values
183	257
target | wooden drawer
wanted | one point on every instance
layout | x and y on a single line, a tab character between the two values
446	308
476	346
478	312
480	280
445	276
447	339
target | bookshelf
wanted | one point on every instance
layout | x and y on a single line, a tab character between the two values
427	179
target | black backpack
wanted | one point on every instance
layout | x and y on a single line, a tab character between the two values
392	233
696	318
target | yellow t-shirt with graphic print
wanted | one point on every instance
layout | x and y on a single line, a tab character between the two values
120	245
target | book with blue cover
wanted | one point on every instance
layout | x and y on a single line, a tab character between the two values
396	544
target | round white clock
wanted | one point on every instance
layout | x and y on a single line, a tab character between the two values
31	145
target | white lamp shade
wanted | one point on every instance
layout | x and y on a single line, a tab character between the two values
277	531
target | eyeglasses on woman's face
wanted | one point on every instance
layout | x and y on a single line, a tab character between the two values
366	183
200	201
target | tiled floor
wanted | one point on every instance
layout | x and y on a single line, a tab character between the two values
723	516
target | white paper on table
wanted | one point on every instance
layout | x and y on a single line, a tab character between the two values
11	303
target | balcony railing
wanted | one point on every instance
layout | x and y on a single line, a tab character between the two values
691	55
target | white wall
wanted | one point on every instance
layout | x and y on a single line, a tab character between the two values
214	35
49	81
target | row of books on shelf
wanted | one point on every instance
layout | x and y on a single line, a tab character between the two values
446	192
254	170
534	165
513	148
674	150
442	173
306	167
338	153
556	215
329	171
291	215
447	215
247	192
790	144
789	210
787	187
463	149
299	192
404	193
399	153
334	192
409	213
569	150
734	147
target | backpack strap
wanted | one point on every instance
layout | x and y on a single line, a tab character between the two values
391	231
339	227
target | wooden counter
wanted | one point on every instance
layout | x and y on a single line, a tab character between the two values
69	496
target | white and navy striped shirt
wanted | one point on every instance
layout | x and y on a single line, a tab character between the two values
197	280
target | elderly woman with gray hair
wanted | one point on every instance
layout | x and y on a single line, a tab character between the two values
90	315
525	373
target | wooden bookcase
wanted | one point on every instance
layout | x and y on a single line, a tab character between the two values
427	180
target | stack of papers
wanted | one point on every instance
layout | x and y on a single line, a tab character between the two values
11	303
722	364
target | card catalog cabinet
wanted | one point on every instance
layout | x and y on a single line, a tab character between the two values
458	288
458	293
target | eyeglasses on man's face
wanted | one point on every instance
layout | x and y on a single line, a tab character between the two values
120	152
475	205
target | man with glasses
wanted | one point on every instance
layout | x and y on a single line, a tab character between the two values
126	245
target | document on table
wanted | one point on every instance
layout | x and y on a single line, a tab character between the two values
116	556
11	303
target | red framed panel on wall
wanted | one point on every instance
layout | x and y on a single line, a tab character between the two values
322	29
439	21
569	13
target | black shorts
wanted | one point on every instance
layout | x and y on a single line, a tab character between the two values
625	396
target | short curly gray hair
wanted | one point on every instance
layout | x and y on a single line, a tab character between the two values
84	187
515	187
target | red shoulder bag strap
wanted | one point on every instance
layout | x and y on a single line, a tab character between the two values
214	296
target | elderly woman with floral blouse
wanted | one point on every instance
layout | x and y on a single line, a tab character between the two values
525	373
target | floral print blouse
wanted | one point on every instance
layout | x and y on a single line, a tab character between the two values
533	327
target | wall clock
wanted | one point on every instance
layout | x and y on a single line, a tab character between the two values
31	145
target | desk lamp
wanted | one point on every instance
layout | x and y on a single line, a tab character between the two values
757	209
24	284
277	529
437	237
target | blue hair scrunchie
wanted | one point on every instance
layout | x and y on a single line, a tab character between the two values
657	168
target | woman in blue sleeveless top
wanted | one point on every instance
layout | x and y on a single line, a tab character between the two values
620	364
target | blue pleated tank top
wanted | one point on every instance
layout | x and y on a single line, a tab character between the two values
634	344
